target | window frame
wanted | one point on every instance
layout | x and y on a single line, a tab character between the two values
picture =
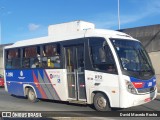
39	50
56	45
13	60
90	55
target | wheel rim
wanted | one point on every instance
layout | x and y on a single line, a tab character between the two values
31	95
101	102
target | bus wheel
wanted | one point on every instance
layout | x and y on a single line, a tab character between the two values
31	95
101	103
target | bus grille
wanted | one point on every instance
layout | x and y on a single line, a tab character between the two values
146	90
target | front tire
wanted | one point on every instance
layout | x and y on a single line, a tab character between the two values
101	103
31	95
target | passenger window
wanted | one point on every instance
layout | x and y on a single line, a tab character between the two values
51	56
13	59
101	55
31	57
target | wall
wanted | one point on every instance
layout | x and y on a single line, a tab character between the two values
1	60
155	58
1	57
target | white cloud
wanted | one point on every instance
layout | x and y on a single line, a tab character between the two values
33	27
30	34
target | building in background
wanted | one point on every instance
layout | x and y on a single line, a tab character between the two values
150	38
1	57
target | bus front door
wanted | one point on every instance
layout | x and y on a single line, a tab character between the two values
74	58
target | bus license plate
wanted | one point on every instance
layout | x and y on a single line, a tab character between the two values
147	100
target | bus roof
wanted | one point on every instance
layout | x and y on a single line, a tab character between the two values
88	32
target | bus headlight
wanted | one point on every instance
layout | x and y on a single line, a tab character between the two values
130	87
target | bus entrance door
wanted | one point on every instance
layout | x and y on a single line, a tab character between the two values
74	58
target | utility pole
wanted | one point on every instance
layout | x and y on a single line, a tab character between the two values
119	16
1	10
0	33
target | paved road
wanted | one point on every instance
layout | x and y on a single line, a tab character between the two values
12	103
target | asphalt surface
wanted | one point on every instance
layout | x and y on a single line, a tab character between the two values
14	103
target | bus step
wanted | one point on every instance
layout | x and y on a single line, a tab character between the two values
78	102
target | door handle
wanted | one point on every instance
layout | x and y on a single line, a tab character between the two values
96	84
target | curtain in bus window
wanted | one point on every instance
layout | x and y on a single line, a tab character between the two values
13	59
30	52
13	54
29	55
50	50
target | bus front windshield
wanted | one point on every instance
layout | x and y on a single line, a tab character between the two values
132	55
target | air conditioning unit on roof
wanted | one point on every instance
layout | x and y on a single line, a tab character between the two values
69	27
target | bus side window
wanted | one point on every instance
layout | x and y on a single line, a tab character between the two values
8	60
101	55
51	56
13	58
31	56
111	67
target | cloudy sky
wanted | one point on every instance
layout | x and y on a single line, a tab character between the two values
25	19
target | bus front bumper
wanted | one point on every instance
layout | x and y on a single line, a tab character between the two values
130	100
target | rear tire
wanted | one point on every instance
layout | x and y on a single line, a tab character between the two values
101	103
31	95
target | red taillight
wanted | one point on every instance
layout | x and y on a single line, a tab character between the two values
138	84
